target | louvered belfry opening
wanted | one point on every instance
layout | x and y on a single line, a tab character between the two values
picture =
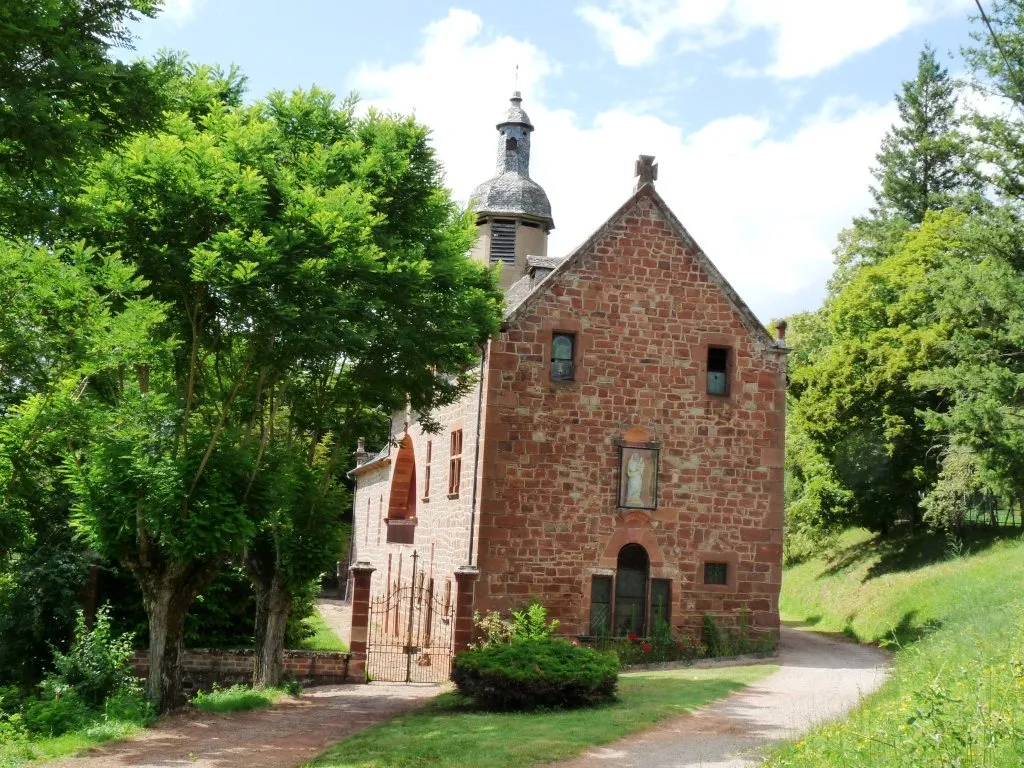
503	241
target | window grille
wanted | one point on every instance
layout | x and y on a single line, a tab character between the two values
716	573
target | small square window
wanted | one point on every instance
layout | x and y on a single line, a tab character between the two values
718	368
563	347
716	573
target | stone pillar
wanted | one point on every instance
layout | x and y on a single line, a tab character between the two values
361	573
465	579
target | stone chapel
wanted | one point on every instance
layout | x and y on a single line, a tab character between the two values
621	456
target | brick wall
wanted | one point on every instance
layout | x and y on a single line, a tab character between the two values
201	668
645	307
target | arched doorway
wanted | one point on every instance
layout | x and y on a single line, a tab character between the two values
631	575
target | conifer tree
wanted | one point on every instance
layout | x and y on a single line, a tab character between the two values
924	163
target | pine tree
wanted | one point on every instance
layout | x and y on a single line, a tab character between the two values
924	163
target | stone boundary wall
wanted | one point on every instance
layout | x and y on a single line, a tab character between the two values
202	667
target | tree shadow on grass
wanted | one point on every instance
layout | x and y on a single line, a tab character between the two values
905	550
909	631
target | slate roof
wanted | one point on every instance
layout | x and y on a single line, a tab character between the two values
512	193
515	113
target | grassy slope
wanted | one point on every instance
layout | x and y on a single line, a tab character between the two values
323	638
449	735
957	692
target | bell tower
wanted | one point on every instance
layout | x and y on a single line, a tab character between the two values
513	214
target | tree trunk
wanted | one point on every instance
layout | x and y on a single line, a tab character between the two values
273	604
168	590
166	608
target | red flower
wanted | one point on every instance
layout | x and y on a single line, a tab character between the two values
633	638
646	648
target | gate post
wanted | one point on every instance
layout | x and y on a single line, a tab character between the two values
361	573
465	579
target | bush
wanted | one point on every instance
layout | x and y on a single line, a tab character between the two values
529	623
97	665
665	644
55	716
544	672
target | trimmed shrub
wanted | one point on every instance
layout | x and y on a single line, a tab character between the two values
542	672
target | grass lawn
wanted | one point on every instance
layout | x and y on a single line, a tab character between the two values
16	753
450	733
322	639
956	696
237	698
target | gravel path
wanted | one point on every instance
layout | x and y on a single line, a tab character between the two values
290	733
821	678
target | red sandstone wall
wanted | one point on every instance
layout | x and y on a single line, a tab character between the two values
644	311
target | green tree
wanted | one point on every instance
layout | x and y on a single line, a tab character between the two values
290	294
925	162
69	317
63	98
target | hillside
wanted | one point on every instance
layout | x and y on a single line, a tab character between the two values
956	624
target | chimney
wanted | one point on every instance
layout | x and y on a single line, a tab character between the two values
780	332
361	454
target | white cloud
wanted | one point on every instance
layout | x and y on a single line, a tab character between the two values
765	208
180	12
808	36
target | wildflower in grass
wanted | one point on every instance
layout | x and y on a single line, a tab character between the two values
646	648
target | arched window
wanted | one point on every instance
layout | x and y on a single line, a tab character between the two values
631	576
511	144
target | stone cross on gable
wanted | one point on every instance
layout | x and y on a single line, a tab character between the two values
645	170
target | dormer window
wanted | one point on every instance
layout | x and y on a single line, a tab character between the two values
563	345
511	144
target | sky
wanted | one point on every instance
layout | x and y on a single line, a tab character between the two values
764	115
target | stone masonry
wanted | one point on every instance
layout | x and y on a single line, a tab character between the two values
645	305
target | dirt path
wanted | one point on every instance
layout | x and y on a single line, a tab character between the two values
289	734
821	678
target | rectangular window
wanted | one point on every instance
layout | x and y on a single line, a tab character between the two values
661	602
563	345
426	472
718	368
455	463
503	241
716	573
600	605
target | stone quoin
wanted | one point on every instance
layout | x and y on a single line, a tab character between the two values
621	456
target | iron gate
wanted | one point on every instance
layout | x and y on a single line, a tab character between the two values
410	634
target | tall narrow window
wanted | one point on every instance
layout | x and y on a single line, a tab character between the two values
600	605
426	472
455	463
718	367
631	590
562	347
661	602
503	241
